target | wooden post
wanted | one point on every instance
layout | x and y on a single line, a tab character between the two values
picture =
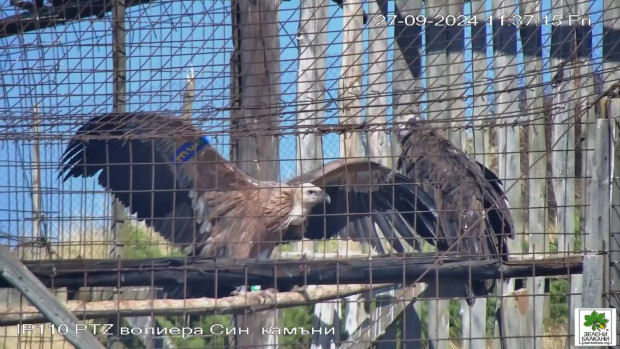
350	113
378	141
350	82
611	65
481	113
119	92
584	83
437	87
119	66
406	94
562	153
437	65
36	179
536	183
312	40
379	148
256	94
597	226
407	68
508	140
256	101
455	58
189	95
311	75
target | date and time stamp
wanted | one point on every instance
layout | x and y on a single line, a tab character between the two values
465	21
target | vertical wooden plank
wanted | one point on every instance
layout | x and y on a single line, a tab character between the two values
507	110
379	149
189	95
536	179
407	67
437	65
119	92
481	113
256	75
584	83
119	79
474	324
565	101
350	83
438	323
597	228
563	151
473	318
256	102
37	214
350	113
611	65
611	52
613	111
406	95
312	41
517	318
455	58
437	91
505	67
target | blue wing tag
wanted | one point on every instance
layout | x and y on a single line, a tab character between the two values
189	149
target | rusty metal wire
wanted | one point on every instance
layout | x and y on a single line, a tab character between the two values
55	79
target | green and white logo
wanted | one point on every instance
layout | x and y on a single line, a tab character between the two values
595	327
596	320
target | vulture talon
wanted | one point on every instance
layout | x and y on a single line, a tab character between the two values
240	291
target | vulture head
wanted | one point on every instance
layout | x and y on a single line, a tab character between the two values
305	198
414	124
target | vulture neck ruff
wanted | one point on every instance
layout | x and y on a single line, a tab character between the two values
304	199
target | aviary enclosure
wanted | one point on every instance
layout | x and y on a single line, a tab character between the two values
529	89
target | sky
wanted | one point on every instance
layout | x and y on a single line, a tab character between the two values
66	72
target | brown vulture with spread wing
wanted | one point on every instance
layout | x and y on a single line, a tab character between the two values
472	211
164	170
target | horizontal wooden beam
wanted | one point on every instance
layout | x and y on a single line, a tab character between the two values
251	302
200	277
63	11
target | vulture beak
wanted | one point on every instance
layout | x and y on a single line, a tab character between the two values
326	199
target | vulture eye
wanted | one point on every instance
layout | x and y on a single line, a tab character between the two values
311	191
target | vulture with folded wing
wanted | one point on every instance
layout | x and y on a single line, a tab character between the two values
165	171
472	211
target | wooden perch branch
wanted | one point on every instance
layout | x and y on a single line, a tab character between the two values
216	277
253	301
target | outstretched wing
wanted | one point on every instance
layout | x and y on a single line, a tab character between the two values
370	203
160	167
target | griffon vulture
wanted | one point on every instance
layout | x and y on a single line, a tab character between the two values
165	171
472	212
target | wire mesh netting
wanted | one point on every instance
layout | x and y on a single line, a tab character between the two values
398	174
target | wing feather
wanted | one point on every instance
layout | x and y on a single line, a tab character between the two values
140	159
473	213
370	203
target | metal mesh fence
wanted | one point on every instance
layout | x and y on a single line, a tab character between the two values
522	98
